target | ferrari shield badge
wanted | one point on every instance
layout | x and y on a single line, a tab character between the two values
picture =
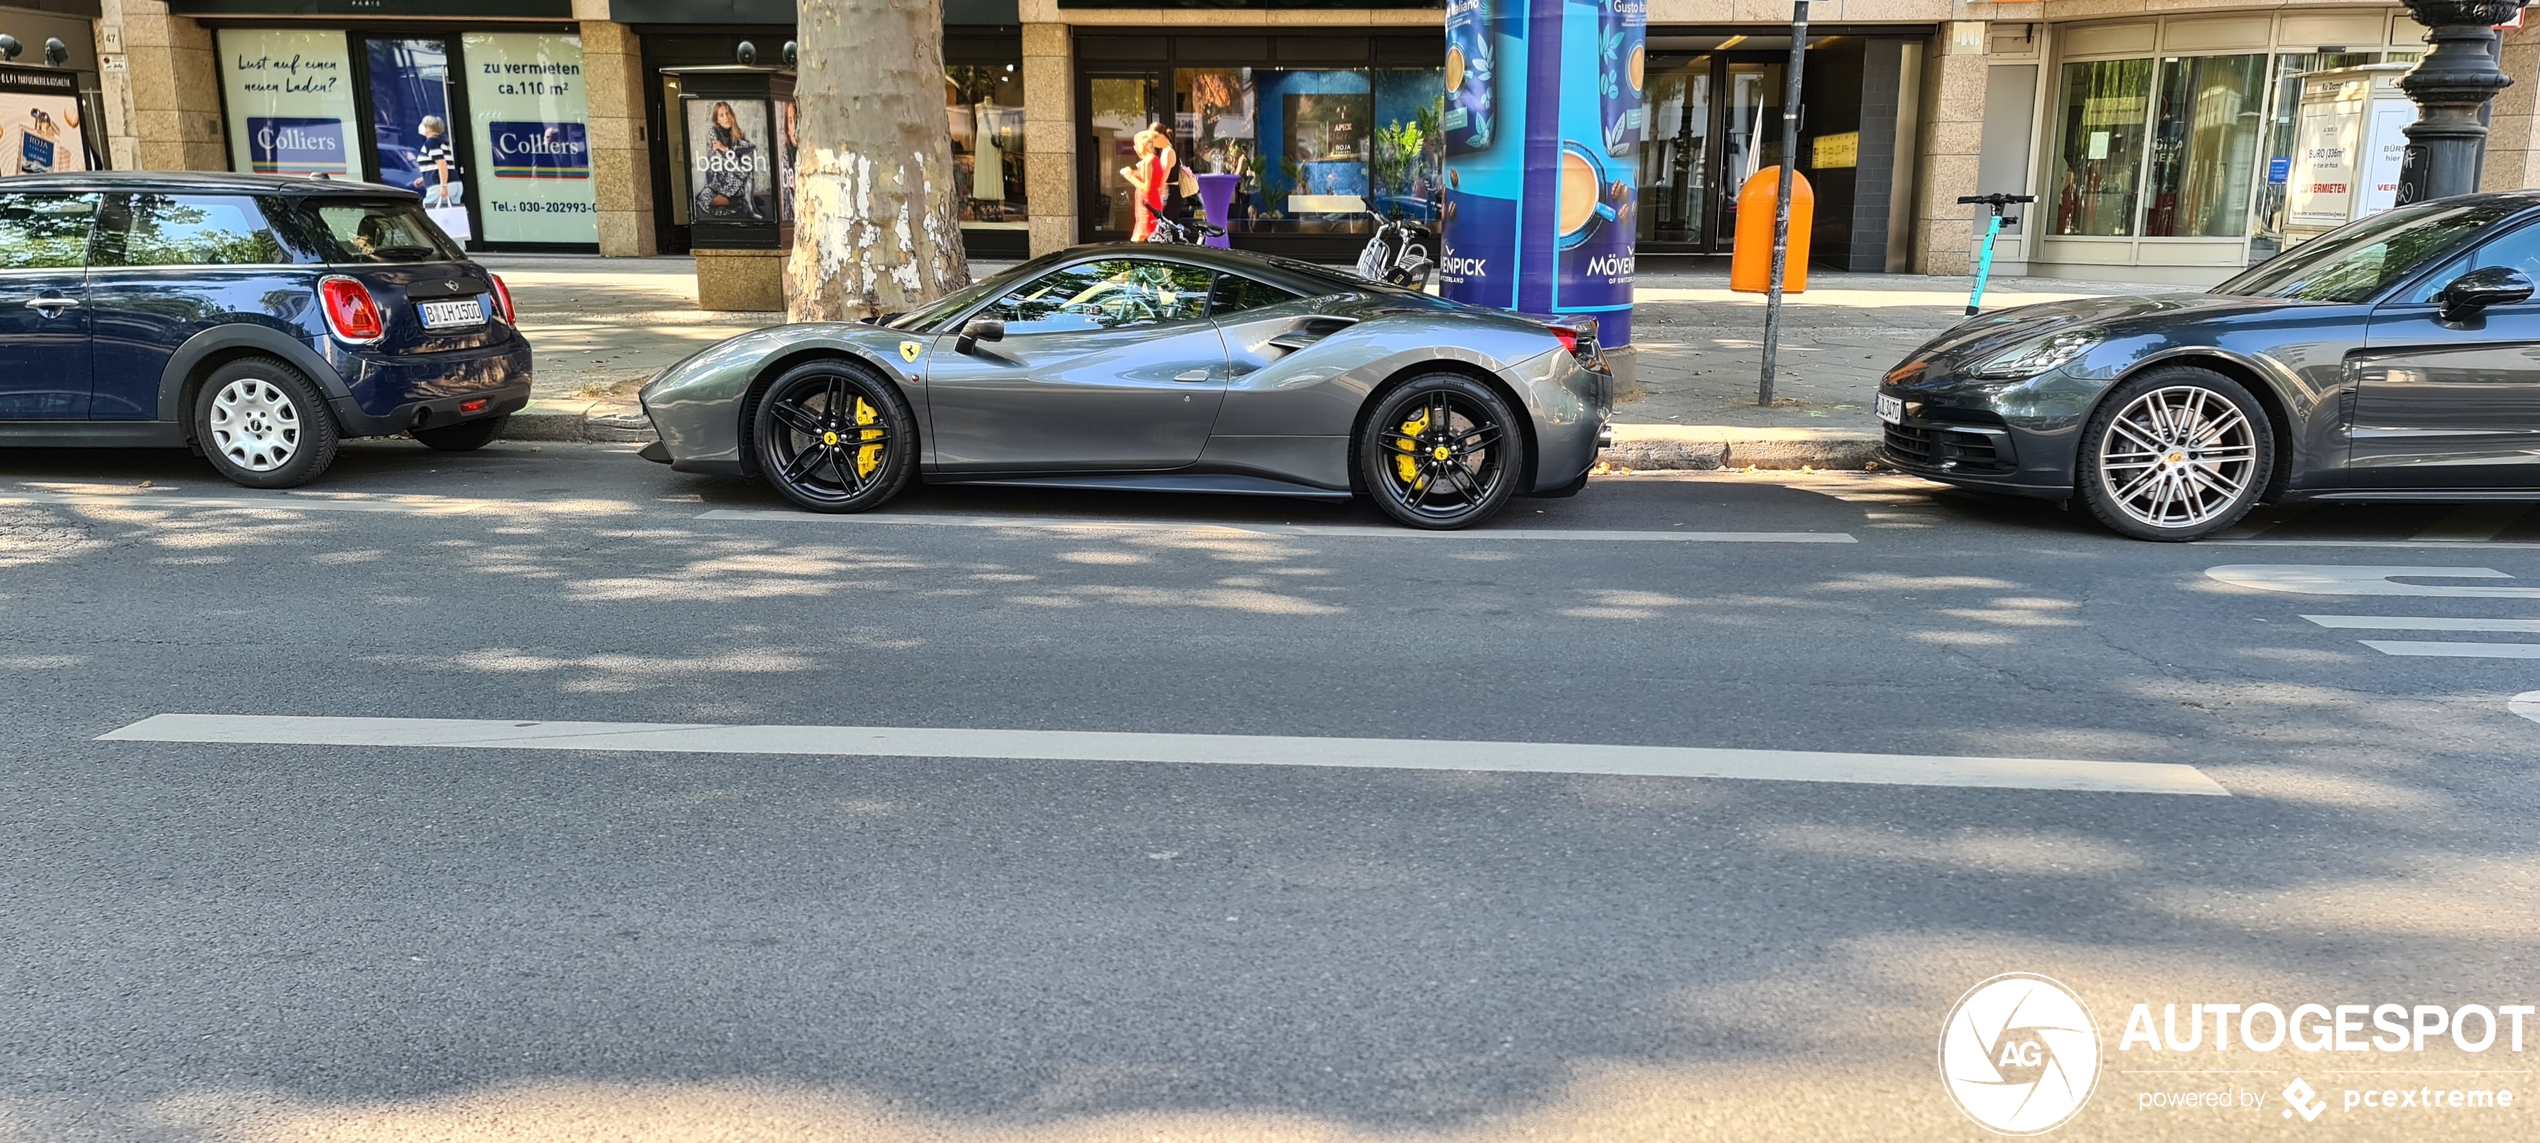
908	351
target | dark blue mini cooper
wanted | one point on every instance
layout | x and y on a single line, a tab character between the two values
257	320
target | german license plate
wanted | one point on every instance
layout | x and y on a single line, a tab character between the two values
457	315
1891	409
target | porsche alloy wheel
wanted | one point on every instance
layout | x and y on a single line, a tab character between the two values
2176	455
1443	451
833	438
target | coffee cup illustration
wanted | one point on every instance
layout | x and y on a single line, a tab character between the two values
1583	206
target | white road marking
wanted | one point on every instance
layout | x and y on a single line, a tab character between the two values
2526	704
2455	650
314	502
2424	623
1062	524
2341	579
1245	750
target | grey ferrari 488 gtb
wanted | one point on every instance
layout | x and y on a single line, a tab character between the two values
1178	368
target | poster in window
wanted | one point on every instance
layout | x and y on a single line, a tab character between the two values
732	175
532	138
290	101
39	134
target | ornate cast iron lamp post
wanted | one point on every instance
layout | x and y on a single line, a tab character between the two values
2451	85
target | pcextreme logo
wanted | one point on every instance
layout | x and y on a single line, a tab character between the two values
2019	1054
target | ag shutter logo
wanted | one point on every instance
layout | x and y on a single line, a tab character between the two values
2019	1054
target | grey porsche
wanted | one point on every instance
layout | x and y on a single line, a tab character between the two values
2395	358
1148	367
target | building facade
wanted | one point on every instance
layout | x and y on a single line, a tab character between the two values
2155	134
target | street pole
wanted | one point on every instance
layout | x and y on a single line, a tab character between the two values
1781	202
2452	86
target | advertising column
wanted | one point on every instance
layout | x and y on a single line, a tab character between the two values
1543	121
533	144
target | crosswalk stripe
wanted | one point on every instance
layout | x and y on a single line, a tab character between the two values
1064	524
2454	650
1227	749
2425	623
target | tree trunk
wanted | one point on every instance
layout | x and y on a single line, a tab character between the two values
876	226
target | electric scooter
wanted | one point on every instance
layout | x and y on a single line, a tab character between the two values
1984	265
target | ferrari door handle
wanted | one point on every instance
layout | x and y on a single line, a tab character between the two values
52	307
1192	375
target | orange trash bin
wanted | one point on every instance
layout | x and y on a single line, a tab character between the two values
1751	259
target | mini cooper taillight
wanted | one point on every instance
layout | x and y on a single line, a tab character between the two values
502	299
352	315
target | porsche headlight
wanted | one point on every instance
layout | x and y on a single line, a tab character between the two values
2053	351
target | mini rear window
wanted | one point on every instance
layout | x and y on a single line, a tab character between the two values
355	230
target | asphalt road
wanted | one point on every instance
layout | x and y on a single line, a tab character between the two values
275	941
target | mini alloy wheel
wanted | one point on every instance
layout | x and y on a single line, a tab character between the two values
833	438
2176	455
262	424
1443	451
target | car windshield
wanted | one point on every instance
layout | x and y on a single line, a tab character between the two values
2361	259
925	318
377	231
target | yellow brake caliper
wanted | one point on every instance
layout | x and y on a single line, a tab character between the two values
1405	465
867	457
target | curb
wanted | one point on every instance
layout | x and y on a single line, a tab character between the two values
1642	448
580	421
1679	448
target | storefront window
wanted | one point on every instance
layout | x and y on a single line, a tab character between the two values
1674	160
532	137
1406	153
2204	149
410	119
1116	112
2104	106
2284	91
1316	150
290	101
984	103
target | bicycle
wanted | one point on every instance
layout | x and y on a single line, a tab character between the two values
1170	233
1394	257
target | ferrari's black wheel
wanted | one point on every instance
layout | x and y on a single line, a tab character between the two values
833	437
1442	451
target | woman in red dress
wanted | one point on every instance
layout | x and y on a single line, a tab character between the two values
1146	178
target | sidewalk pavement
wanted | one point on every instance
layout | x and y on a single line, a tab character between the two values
1685	394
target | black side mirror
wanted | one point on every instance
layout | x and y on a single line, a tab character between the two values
979	330
2481	288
